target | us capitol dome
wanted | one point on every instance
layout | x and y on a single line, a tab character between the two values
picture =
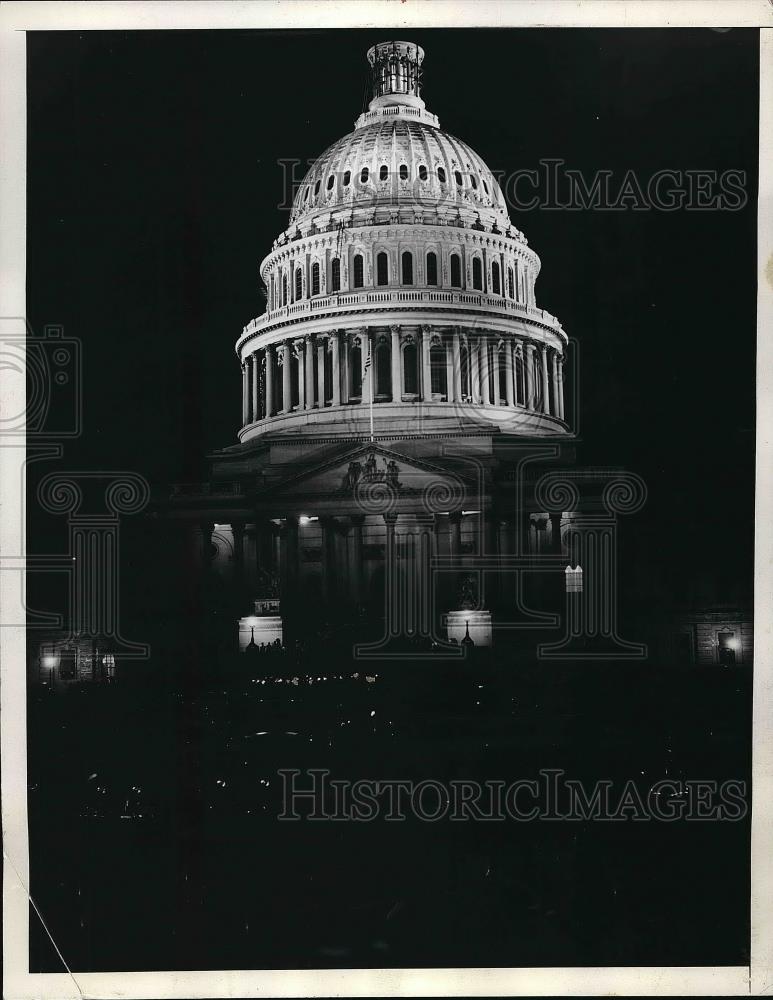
400	294
400	363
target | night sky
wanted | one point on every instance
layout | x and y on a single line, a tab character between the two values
153	194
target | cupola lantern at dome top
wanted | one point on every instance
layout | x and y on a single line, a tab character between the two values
396	73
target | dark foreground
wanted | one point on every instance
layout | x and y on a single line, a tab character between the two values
155	842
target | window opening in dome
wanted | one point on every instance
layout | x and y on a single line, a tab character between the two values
431	268
422	172
410	374
441	175
347	177
358	271
364	175
306	194
403	172
335	275
458	178
316	188
437	367
456	271
298	283
474	182
315	279
407	263
383	172
495	278
284	289
382	269
330	182
510	283
485	185
477	274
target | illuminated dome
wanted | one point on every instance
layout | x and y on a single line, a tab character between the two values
400	294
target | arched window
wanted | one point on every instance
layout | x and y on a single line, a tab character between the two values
364	174
358	270
403	172
441	175
330	182
347	177
485	185
410	374
355	368
510	283
456	271
383	172
298	283
438	371
495	287
477	274
458	178
335	275
315	279
474	182
316	188
383	368
382	269
431	268
407	261
422	172
284	289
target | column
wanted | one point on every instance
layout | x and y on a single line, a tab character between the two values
284	360
256	400
559	363
485	371
309	374
472	349
365	381
450	394
456	349
336	368
545	380
300	356
426	370
321	345
509	373
269	358
357	522
346	380
495	373
245	395
397	368
528	363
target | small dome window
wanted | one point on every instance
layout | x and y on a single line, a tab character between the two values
316	188
364	174
422	172
330	182
485	185
347	178
306	194
458	178
441	175
403	172
474	182
383	172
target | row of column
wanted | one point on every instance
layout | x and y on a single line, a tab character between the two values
349	367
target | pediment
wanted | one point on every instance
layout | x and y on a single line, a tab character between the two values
368	467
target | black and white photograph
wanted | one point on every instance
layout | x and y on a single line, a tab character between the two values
386	477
